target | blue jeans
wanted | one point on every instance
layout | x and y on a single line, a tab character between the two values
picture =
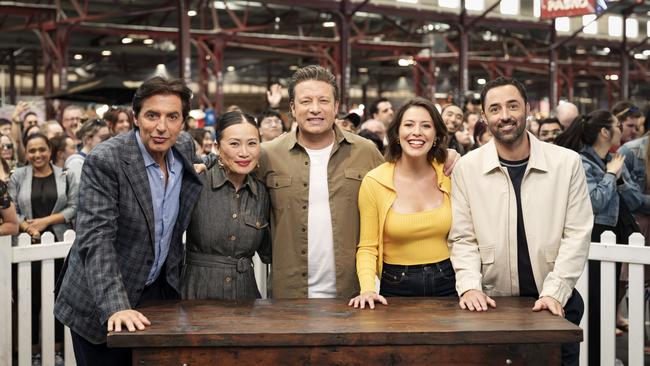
433	279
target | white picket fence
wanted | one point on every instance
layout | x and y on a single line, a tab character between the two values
636	254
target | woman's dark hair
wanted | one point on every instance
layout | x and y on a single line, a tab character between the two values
439	150
112	115
57	143
479	129
584	130
374	138
271	113
231	118
35	136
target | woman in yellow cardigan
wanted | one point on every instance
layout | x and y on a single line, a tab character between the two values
405	212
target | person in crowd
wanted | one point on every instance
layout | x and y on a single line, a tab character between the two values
5	126
135	199
348	122
463	138
566	113
614	196
219	257
270	125
5	170
45	196
628	114
374	138
452	115
522	216
471	118
8	152
381	110
8	216
377	127
482	134
398	202
51	129
549	129
91	134
202	140
71	119
532	125
30	131
62	148
119	120
313	176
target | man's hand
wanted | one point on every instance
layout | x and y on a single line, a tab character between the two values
21	107
200	168
452	158
274	96
475	300
367	297
550	304
130	318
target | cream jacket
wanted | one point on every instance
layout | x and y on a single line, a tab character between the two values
557	216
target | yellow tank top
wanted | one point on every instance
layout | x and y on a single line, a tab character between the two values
417	238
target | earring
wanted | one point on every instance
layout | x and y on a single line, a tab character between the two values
219	162
397	141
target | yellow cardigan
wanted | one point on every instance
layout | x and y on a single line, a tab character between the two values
376	196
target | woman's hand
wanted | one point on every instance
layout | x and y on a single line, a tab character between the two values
615	166
452	158
367	297
38	225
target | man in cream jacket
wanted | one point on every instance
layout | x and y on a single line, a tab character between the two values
522	216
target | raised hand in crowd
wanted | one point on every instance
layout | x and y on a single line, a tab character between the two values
274	96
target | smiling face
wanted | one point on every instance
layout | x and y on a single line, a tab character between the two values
453	117
270	128
7	147
122	125
416	133
239	149
314	108
38	153
505	113
160	122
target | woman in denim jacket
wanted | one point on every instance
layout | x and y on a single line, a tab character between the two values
614	196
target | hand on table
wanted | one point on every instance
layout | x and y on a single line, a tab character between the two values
550	304
475	300
367	297
132	319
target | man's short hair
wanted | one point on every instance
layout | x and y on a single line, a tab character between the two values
312	72
501	81
624	110
373	108
69	108
159	85
548	121
4	121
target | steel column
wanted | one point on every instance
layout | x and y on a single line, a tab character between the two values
625	62
463	63
185	52
552	69
12	77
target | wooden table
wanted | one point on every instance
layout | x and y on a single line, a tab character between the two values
409	331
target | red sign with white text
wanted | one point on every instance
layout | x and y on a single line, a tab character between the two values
567	8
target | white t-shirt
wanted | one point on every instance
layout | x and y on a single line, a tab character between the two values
320	242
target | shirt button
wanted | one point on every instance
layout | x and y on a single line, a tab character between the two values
306	163
228	279
237	195
303	252
304	184
257	224
232	238
304	274
303	229
234	216
304	207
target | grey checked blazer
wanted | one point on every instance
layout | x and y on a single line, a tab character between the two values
20	191
109	262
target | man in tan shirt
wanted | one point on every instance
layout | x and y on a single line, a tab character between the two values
522	216
313	175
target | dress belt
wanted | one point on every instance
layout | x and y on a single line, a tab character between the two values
242	264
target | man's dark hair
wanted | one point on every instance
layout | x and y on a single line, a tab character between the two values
198	134
373	108
624	110
58	143
438	152
374	138
501	81
159	85
548	121
4	121
312	72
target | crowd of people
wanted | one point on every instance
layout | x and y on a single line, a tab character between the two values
477	201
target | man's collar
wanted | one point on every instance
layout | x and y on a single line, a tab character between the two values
148	159
536	157
339	137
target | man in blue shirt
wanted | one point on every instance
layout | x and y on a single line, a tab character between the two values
136	194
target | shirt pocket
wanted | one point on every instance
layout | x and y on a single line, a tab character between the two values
353	178
550	254
255	222
280	190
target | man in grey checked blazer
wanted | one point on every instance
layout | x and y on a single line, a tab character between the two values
124	253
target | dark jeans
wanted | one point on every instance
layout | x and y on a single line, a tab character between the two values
89	354
434	279
573	311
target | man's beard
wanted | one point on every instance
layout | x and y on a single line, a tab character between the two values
509	138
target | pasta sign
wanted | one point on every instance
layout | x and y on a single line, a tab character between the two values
567	8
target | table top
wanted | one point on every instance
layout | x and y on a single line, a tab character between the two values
331	322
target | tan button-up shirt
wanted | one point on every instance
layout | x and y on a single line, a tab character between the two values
557	216
284	167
